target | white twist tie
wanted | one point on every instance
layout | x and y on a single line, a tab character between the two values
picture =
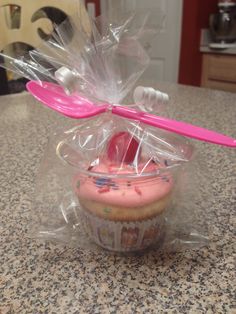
67	79
149	97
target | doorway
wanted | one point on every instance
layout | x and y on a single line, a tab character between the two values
164	49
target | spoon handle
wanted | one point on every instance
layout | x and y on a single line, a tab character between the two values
178	127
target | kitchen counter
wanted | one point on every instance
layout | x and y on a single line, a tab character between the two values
46	278
224	51
206	39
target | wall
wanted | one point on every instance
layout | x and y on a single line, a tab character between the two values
195	17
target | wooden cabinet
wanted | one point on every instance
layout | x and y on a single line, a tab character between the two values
219	72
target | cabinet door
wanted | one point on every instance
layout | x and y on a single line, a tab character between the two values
219	72
164	49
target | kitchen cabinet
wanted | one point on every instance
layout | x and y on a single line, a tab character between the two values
219	72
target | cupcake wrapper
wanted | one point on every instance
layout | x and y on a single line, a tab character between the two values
122	236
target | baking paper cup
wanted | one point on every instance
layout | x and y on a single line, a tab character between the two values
122	236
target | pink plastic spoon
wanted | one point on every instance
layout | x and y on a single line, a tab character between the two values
77	107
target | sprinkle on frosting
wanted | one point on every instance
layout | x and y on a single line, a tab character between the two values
105	189
165	179
107	210
113	185
166	163
137	190
101	182
105	184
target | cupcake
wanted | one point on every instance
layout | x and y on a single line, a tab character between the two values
123	196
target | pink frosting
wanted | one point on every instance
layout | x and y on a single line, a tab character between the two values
125	192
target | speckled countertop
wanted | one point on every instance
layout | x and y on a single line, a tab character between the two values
45	278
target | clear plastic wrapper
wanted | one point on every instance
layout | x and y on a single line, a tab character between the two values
104	57
110	181
100	59
121	185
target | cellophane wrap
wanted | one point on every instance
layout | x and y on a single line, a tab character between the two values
105	55
111	182
77	156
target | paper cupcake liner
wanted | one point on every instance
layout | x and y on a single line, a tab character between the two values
122	236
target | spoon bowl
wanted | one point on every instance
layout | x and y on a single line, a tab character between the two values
54	97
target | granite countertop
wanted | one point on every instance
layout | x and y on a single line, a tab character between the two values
41	277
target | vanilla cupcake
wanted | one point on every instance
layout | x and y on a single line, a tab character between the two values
122	201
